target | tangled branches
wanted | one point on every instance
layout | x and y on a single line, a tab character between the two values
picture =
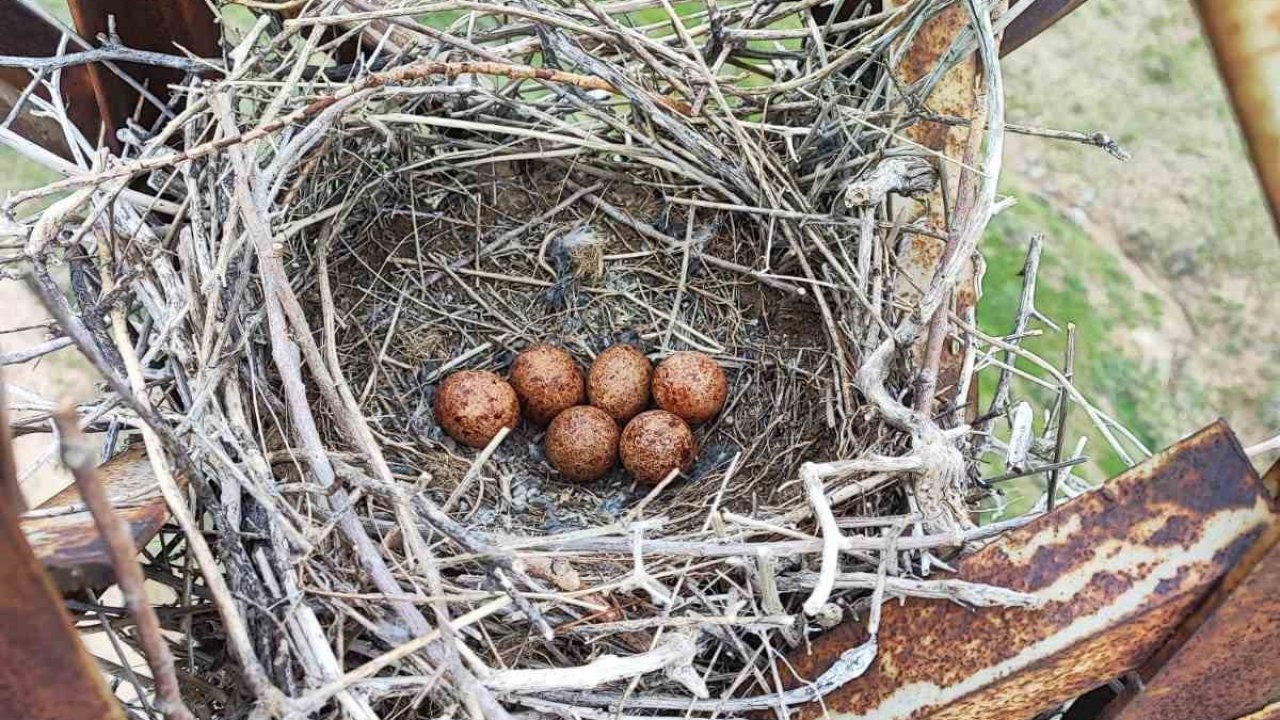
273	281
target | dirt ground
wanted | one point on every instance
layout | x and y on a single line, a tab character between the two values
63	374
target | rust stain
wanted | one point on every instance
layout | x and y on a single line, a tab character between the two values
1116	569
955	94
45	673
1225	660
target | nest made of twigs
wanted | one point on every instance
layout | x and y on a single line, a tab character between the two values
364	203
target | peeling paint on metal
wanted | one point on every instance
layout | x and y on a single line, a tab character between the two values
1117	569
955	94
1228	663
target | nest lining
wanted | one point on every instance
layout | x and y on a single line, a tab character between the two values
585	282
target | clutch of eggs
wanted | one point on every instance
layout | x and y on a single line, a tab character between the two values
583	441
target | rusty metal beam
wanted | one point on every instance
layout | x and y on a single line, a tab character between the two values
29	34
1243	36
1117	568
10	491
1033	20
1225	660
45	672
920	255
69	545
167	26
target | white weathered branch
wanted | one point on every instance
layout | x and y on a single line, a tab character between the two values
904	175
959	591
674	652
831	540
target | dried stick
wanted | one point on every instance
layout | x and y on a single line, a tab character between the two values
831	539
1026	311
158	441
112	51
17	357
78	456
904	175
1093	139
318	697
287	363
671	653
407	73
1068	372
959	591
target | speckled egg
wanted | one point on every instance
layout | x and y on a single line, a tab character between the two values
654	443
582	443
547	381
619	382
473	405
691	385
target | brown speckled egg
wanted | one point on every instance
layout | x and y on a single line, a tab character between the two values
473	405
691	385
654	443
619	382
547	381
582	443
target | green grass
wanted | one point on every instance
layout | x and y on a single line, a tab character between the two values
19	173
1081	283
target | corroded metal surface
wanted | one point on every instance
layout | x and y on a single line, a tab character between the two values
1116	568
167	26
39	38
955	94
45	673
1039	16
1229	665
69	545
1243	34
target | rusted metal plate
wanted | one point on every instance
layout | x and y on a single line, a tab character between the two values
1243	34
1033	20
1228	663
955	94
10	491
69	546
45	673
1117	569
39	38
158	25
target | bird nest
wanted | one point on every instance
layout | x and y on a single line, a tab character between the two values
274	279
